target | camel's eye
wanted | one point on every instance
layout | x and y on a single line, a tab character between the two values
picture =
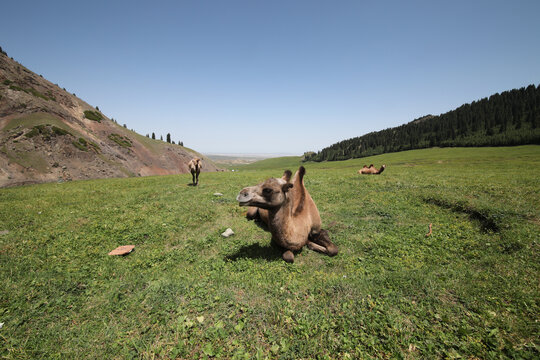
267	191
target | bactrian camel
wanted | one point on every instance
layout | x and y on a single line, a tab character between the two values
371	170
195	166
288	210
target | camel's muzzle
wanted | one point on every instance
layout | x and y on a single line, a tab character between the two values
244	197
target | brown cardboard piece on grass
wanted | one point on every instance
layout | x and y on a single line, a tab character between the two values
122	250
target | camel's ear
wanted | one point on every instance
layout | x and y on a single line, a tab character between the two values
287	175
301	173
286	187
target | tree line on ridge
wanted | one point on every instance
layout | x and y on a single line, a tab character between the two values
505	119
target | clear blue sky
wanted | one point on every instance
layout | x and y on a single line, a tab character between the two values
275	76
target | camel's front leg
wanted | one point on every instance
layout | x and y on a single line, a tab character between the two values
321	242
252	213
316	247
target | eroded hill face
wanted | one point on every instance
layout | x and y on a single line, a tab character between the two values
48	134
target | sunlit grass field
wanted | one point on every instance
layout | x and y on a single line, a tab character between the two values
470	290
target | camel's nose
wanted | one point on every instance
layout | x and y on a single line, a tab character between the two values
243	196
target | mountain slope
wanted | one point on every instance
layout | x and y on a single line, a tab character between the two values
48	134
509	118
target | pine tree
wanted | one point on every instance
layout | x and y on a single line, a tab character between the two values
153	136
169	138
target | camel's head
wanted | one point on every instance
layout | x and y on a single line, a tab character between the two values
269	194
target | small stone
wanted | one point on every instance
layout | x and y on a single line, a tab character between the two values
218	194
227	233
122	250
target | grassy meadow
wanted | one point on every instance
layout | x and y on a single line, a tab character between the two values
470	290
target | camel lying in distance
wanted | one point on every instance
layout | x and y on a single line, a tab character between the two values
371	170
288	210
195	166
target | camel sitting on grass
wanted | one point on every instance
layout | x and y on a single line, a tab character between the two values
371	170
195	166
288	210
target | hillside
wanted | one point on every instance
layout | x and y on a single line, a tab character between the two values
509	118
283	162
48	134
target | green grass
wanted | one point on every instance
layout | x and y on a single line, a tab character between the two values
59	131
37	130
34	119
123	141
286	161
31	91
46	131
93	115
80	144
26	159
470	290
84	145
39	119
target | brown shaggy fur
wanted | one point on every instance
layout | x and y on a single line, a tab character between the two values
195	166
371	170
288	210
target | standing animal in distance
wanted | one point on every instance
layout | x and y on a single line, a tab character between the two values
288	210
195	166
371	170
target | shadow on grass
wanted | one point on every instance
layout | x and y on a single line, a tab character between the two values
486	220
261	224
256	251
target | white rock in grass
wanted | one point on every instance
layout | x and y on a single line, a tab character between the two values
1	325
218	194
227	233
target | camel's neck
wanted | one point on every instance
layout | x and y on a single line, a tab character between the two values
284	212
